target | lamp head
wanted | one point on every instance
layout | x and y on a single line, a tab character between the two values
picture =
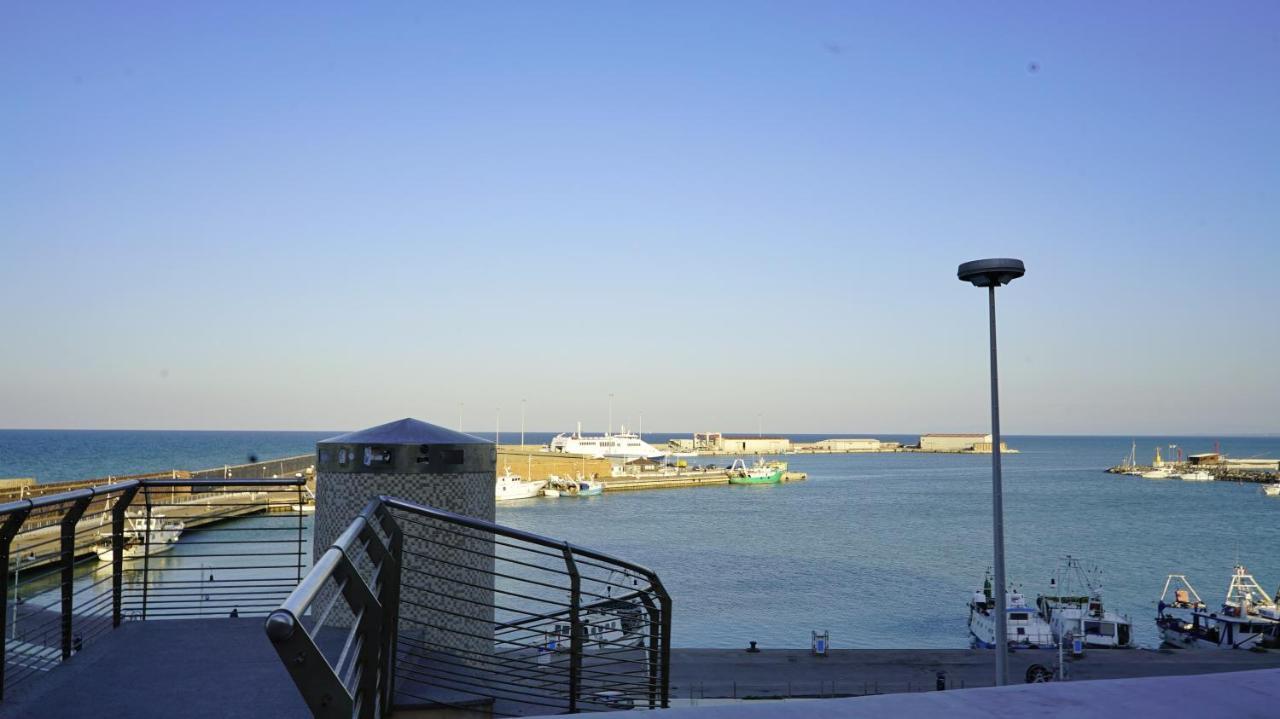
991	273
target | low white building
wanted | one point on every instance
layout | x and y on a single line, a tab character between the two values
842	444
954	442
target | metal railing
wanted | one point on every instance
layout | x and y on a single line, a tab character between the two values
417	607
79	564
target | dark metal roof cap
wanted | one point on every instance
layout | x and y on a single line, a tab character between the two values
996	271
405	431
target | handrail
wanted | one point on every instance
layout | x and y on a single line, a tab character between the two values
501	530
47	536
451	626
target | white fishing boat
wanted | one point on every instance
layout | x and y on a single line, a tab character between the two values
1248	617
1073	608
1197	476
1271	490
1024	628
623	445
513	486
142	537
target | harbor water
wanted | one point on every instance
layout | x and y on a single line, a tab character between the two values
883	550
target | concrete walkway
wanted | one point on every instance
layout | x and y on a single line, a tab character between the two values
196	668
1239	695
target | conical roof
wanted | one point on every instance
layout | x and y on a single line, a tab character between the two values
405	431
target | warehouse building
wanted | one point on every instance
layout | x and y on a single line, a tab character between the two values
848	445
955	442
753	444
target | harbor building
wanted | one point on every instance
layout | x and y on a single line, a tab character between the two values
848	445
752	444
717	443
956	443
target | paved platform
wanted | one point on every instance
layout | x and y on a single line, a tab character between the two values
192	668
728	673
1239	695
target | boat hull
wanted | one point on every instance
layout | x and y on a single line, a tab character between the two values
771	478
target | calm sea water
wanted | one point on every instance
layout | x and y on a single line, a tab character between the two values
881	549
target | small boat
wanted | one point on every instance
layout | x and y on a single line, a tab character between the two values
1161	473
1197	476
565	487
142	537
1024	628
512	486
1272	490
1073	609
1248	617
760	473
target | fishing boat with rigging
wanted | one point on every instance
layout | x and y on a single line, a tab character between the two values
761	472
142	537
1024	628
1248	618
1073	607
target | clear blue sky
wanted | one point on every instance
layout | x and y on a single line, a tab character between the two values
326	215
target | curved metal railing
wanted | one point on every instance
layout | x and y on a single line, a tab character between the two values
414	606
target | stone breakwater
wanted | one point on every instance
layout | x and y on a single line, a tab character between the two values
1220	474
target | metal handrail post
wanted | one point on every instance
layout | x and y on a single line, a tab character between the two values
653	653
665	599
69	520
575	628
118	513
390	598
146	549
7	532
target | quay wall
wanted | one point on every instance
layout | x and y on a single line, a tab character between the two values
531	463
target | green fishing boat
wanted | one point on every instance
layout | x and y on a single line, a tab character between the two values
761	473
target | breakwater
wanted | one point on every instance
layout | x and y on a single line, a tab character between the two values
1220	473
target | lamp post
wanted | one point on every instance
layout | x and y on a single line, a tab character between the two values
991	274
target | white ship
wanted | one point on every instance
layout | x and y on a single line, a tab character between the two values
1248	618
1024	628
1074	608
623	445
513	486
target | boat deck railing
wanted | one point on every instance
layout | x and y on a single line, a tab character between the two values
78	564
416	607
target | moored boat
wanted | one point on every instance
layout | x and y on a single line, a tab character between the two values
623	445
760	473
1198	475
1247	619
142	537
1074	610
512	486
1272	490
1024	628
579	487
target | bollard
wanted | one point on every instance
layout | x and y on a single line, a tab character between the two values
753	649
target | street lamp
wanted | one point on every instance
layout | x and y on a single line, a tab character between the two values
991	274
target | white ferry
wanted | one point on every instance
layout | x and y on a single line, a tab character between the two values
513	486
1073	607
1024	628
1248	617
623	445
